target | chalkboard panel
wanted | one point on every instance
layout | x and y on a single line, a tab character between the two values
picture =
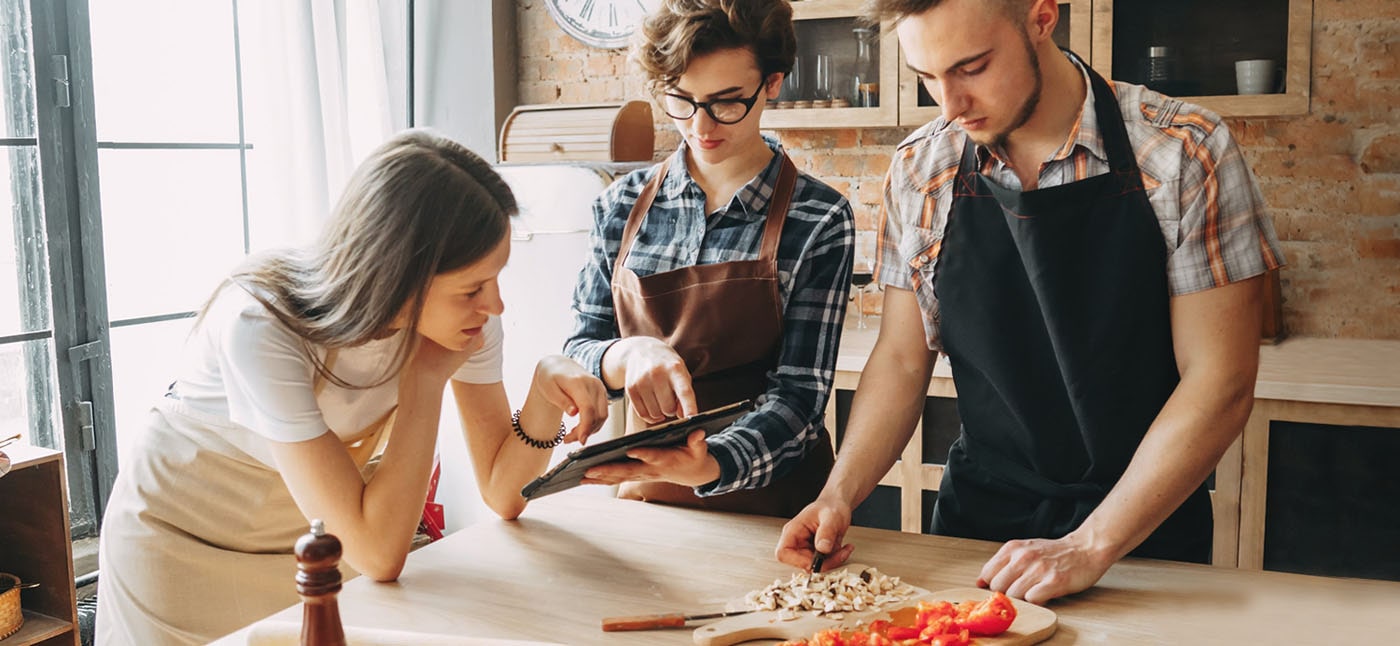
1333	505
880	510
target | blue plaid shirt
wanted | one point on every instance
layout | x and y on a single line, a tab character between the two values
814	276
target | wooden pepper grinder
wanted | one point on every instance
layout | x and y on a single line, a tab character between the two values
318	582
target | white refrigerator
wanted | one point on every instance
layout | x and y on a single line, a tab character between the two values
549	245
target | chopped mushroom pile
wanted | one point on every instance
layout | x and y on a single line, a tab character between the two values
830	594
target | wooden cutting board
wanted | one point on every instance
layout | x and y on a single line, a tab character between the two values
1033	624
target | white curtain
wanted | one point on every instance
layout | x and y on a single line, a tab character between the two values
323	84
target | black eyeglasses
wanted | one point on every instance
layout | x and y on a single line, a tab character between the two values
725	111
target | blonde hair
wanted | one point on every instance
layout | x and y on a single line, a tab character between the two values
680	31
418	206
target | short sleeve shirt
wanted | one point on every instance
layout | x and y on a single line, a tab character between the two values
1207	202
243	365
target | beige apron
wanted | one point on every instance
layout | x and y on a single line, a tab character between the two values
197	537
725	320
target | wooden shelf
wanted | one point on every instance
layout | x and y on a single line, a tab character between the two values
36	629
843	50
1297	61
37	545
819	9
1089	32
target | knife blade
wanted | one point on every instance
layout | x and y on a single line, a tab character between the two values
667	620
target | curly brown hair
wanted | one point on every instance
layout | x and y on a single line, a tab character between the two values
880	10
680	31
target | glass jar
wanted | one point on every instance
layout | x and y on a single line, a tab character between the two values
865	81
1159	70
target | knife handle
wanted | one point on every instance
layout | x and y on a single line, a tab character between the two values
643	622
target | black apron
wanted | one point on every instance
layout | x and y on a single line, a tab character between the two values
1056	319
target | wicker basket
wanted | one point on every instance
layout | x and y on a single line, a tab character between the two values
10	616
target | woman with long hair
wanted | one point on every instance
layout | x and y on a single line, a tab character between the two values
302	366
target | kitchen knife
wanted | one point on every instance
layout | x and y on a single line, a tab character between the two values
671	620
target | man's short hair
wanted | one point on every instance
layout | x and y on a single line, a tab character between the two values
680	31
877	11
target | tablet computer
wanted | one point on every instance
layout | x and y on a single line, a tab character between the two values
569	472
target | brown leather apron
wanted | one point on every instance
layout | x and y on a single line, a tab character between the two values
725	320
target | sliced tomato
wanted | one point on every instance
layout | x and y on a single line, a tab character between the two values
878	639
990	616
939	625
960	638
902	632
931	612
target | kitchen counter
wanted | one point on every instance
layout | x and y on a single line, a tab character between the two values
1360	372
576	557
1340	382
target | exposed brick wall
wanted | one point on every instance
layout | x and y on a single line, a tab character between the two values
1331	178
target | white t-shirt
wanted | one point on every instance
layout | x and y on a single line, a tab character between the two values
243	365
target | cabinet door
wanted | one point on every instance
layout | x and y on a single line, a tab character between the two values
1074	32
825	28
1190	49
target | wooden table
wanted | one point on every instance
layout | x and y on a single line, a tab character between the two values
574	558
1344	382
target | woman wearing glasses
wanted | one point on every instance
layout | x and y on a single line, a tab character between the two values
719	274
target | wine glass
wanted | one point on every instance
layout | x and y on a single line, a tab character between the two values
861	278
792	83
822	78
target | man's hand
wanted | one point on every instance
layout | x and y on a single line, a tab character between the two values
819	527
1039	570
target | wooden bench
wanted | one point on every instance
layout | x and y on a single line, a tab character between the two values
1345	382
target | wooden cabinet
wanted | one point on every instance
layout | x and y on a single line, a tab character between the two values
1203	40
35	545
1074	32
825	28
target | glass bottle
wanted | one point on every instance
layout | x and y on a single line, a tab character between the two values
866	73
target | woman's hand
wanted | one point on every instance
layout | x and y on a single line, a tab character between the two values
689	464
658	383
568	387
435	364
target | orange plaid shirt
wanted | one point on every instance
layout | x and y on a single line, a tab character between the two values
1207	202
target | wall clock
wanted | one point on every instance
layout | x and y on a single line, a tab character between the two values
601	23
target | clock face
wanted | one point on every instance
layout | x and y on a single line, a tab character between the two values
600	23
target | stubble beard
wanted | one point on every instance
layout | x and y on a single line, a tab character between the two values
1031	103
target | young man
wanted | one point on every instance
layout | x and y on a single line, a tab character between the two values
720	274
1089	255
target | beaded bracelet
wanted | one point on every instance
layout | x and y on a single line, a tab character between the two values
539	444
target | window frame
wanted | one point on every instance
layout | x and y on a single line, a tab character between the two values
69	190
70	220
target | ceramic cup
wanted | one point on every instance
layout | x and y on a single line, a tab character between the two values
1255	76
